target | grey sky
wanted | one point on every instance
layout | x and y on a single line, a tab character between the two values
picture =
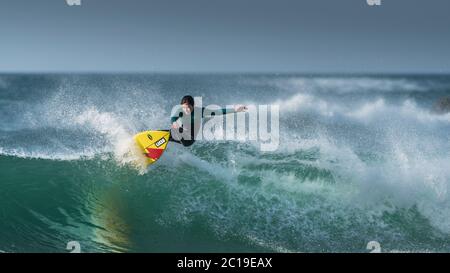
225	36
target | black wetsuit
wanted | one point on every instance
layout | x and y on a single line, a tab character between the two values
194	124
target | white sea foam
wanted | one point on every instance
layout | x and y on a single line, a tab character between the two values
338	85
279	207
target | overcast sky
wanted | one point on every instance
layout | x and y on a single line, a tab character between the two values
318	36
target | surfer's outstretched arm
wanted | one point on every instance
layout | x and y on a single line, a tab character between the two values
223	111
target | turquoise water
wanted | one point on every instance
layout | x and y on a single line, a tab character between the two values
361	158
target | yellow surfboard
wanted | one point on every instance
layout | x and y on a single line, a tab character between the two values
152	143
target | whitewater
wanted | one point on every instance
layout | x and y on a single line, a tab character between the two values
360	158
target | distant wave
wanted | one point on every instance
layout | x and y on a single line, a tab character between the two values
343	85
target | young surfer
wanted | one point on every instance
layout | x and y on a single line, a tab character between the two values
187	120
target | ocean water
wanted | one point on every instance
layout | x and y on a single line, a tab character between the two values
361	158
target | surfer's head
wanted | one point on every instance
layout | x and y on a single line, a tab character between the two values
187	103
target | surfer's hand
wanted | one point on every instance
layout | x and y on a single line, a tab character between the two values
240	108
175	125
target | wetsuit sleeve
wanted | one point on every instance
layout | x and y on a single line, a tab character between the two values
222	111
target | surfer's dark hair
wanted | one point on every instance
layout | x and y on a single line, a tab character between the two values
187	99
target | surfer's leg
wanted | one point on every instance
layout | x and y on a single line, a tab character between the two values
171	138
187	143
174	140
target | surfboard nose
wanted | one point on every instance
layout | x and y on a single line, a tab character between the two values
152	143
154	154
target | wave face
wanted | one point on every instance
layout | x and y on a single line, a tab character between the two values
360	159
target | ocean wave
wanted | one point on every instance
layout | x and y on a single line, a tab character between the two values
345	172
373	110
344	85
50	155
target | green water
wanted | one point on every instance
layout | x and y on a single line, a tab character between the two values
360	159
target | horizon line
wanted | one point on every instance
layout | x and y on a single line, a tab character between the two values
305	73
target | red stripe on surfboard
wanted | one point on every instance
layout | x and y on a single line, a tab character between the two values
154	153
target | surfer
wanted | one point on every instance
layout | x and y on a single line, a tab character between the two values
186	124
